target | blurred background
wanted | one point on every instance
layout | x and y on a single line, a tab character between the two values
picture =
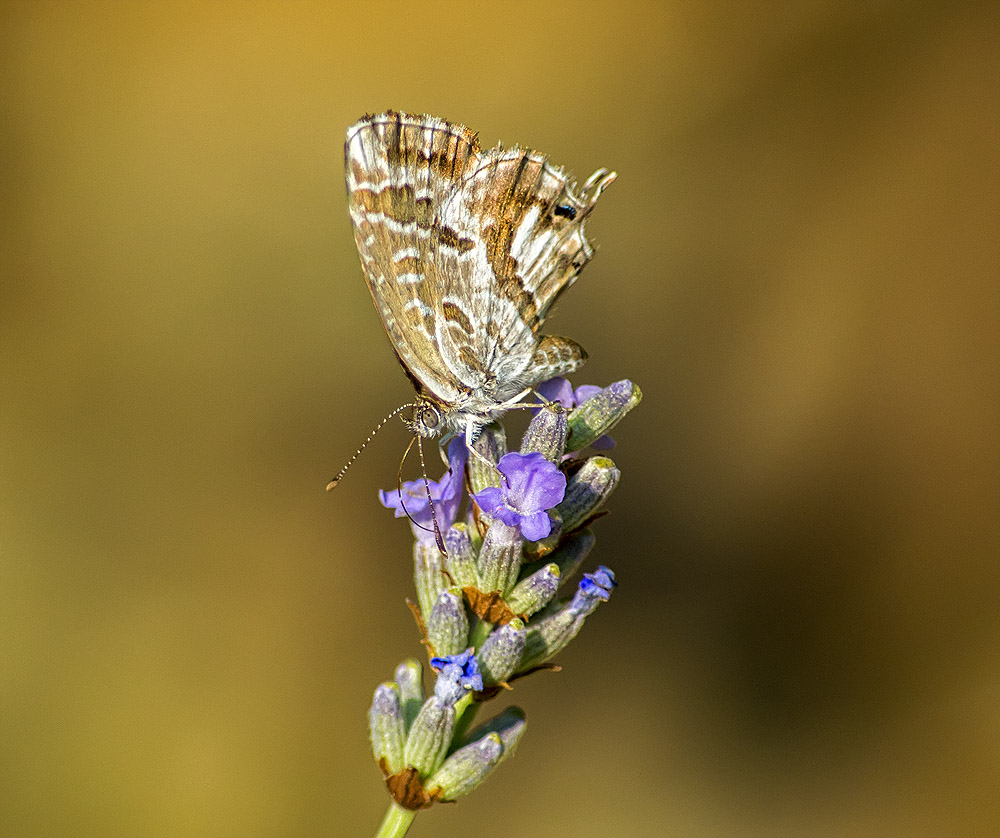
798	264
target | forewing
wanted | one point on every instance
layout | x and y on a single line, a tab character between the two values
401	170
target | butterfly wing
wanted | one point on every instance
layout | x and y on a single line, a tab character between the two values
400	169
464	254
525	220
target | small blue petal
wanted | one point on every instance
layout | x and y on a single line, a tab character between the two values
490	500
605	577
457	674
584	392
536	527
599	584
557	390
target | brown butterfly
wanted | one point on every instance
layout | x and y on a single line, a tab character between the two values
464	252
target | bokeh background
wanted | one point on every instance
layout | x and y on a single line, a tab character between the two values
799	264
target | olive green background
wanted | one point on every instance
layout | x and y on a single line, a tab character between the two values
799	264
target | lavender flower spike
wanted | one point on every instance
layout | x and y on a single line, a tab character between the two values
533	486
487	592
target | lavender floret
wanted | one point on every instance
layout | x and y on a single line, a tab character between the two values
533	486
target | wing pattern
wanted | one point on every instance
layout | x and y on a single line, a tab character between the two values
464	253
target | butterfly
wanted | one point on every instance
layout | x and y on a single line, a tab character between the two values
464	252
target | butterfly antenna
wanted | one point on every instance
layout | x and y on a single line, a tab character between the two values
333	483
399	487
427	488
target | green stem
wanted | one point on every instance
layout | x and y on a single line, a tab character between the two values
479	634
396	822
466	717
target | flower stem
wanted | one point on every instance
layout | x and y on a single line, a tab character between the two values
396	822
479	634
463	722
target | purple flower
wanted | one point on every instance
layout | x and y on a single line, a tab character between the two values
456	675
446	494
593	589
600	583
533	486
560	390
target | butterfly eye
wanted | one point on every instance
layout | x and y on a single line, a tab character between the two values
427	420
565	211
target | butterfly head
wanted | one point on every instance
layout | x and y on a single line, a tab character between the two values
428	419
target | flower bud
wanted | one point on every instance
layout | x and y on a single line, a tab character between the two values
448	624
587	490
411	689
461	560
533	593
501	653
429	736
547	433
500	558
385	727
596	416
549	636
492	444
465	769
428	574
508	725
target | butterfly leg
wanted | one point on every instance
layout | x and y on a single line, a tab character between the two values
516	403
443	447
472	432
